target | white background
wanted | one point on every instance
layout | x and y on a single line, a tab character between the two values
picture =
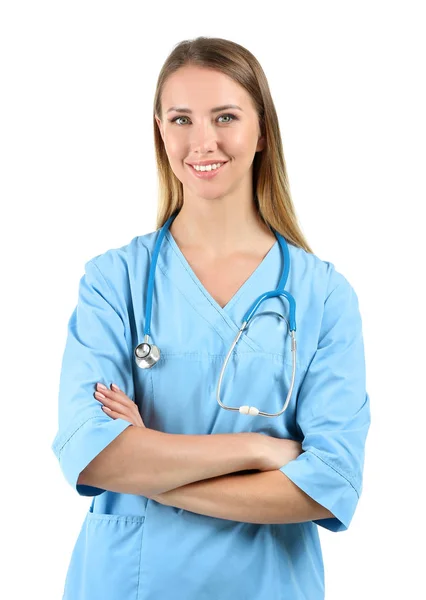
78	177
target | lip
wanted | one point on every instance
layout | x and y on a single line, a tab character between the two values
206	174
204	163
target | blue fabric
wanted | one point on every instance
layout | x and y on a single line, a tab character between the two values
131	547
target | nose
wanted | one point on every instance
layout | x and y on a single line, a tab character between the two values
204	137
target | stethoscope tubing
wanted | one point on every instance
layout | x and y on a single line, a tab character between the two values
147	354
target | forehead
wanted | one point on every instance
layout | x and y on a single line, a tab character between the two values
201	89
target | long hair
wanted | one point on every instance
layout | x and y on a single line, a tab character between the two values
270	182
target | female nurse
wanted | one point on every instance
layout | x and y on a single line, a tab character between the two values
190	500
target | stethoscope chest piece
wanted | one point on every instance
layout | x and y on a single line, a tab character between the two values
146	355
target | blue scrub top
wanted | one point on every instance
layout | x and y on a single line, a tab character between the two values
132	547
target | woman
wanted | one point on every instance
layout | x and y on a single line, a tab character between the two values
194	501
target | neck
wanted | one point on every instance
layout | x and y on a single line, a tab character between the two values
219	231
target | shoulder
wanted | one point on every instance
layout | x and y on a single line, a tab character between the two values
316	275
326	302
117	271
121	261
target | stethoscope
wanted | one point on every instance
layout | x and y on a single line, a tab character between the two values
147	354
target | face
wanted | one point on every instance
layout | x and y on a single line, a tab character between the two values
231	135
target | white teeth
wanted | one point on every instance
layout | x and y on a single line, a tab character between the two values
207	167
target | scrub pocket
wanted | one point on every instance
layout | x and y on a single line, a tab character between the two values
105	562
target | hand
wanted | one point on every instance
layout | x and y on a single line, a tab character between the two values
277	452
117	405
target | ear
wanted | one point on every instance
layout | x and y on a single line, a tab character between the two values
260	143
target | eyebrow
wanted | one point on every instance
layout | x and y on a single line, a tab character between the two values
213	110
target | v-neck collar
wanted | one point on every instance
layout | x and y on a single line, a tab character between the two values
228	306
225	321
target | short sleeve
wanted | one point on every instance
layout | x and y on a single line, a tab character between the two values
333	412
96	350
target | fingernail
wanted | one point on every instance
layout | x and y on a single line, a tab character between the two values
102	386
106	408
115	387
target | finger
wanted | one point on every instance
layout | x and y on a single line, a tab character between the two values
116	405
115	415
109	412
117	393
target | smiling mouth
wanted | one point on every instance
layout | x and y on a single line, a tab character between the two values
208	170
207	175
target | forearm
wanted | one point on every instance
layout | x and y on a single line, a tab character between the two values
143	461
264	497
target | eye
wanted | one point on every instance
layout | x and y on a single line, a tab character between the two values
233	117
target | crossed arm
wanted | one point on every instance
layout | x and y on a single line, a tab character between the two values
264	497
201	474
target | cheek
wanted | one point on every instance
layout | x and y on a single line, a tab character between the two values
241	144
176	154
240	139
177	165
173	147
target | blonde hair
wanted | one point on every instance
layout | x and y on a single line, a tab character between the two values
270	182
